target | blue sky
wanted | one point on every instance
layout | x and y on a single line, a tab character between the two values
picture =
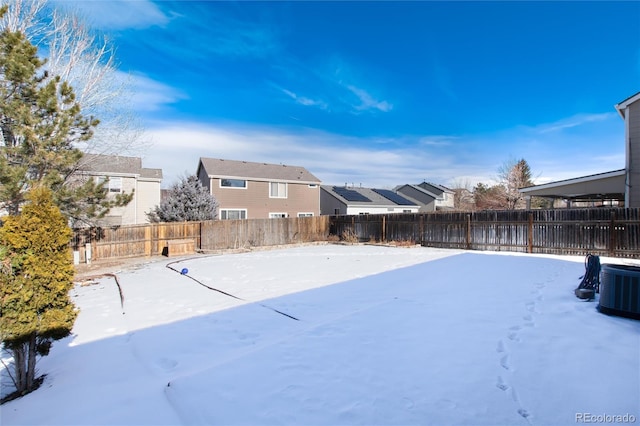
380	93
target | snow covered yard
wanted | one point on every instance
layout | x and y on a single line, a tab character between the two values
379	336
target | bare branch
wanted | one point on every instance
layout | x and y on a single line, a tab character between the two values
85	59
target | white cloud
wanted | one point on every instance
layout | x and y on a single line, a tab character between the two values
150	95
368	102
437	140
574	121
302	100
118	14
335	159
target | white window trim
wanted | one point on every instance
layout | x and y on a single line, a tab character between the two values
109	183
114	188
246	184
305	214
278	215
234	210
286	189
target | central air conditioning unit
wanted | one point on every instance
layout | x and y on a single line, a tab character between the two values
620	291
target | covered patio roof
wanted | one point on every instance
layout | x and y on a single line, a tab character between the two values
607	185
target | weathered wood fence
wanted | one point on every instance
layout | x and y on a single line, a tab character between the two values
601	231
151	239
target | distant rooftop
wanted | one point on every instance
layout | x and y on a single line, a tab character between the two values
217	167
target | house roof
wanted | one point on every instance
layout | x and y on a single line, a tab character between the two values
220	168
418	188
440	187
115	164
371	197
610	184
622	106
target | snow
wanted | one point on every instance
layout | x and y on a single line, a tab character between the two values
381	336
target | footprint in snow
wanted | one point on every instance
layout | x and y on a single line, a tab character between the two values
505	363
501	384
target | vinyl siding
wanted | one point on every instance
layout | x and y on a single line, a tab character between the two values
147	197
124	215
255	199
633	117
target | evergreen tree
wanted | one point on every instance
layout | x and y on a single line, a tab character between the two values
35	307
187	200
40	128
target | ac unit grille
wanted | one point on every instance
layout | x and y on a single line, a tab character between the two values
620	291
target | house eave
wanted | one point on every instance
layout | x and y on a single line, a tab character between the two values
622	106
254	179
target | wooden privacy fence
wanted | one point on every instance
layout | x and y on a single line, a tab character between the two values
151	239
602	231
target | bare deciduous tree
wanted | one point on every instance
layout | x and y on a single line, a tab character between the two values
86	60
513	175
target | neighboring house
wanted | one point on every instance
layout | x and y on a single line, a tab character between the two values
124	174
425	199
445	197
430	196
249	190
608	188
341	200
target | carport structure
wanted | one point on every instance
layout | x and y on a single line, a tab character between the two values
603	188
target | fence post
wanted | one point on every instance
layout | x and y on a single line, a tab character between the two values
530	236
94	245
421	229
468	232
612	235
384	229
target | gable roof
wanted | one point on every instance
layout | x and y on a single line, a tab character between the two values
372	197
115	164
220	168
419	189
435	186
622	106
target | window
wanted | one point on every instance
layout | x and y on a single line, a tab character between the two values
277	215
406	211
336	211
305	214
313	185
233	183
233	213
113	184
277	190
